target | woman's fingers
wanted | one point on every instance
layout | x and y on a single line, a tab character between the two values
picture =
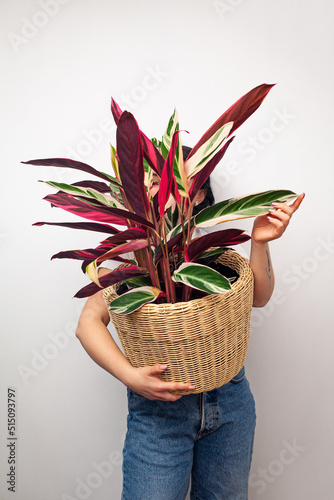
290	209
297	202
282	213
155	369
279	214
155	388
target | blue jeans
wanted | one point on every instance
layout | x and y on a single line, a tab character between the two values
206	436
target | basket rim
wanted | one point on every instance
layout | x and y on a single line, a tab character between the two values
236	261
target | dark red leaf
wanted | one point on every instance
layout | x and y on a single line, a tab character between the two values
110	279
117	259
131	166
88	226
151	154
170	244
130	246
67	163
88	253
237	113
134	233
101	187
226	237
116	111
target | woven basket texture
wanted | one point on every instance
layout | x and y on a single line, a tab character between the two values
204	341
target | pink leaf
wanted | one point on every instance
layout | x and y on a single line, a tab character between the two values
100	214
167	181
237	113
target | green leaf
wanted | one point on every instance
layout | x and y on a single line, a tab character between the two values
89	193
165	145
134	299
199	159
156	143
209	255
171	217
67	188
173	125
148	174
114	161
240	208
138	282
202	278
177	229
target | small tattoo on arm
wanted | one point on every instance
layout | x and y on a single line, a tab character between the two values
268	269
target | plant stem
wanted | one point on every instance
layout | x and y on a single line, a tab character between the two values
166	267
151	268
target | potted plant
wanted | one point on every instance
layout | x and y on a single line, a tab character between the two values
175	304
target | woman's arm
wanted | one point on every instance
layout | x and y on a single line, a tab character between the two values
264	279
95	337
267	228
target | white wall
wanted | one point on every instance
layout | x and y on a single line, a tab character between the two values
61	62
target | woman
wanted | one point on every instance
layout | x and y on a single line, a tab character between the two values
170	438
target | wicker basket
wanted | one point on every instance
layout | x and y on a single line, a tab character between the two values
204	341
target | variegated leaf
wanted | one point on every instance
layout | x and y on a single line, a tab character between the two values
140	281
148	176
134	299
178	166
241	208
198	160
173	126
202	278
114	161
105	199
109	279
156	143
130	246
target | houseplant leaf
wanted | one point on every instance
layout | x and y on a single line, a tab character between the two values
110	279
196	161
202	278
67	163
225	237
237	113
86	192
98	214
240	208
165	145
134	299
173	126
167	181
205	172
114	161
87	226
152	155
131	167
133	233
131	246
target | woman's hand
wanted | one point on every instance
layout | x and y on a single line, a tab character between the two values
146	382
272	226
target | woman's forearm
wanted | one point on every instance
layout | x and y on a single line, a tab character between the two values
95	337
101	347
264	279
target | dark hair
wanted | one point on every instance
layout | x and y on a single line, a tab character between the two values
209	198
